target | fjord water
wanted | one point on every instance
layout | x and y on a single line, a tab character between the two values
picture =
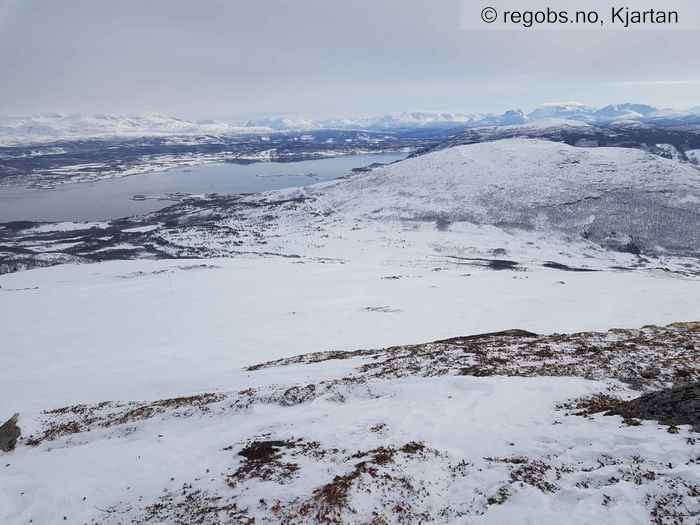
112	198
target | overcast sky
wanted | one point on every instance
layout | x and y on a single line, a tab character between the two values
224	58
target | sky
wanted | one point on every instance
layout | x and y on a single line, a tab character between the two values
319	58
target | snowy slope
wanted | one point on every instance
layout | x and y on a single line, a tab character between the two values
613	196
496	428
563	110
153	329
532	221
167	427
529	173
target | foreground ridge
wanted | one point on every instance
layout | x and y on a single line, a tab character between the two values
485	427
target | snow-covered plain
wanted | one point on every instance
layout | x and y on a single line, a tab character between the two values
469	240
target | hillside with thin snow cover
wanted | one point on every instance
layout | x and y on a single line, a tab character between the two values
605	206
669	139
262	358
622	198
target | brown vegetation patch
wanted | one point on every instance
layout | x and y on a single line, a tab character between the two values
264	460
194	506
587	406
83	418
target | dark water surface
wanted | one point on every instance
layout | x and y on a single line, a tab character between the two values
109	199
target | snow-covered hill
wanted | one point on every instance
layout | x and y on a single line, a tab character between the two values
563	110
622	198
586	199
667	136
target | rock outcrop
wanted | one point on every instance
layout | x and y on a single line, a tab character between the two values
9	434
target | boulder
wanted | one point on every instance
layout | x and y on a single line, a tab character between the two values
672	406
693	326
9	433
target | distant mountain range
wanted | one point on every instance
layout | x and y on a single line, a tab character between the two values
568	110
57	126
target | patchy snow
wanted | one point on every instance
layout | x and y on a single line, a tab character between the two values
693	155
668	151
67	226
600	207
338	446
142	229
527	173
118	247
473	239
54	247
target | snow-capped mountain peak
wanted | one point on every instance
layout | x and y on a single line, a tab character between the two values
566	110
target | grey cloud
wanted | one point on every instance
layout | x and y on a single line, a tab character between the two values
224	58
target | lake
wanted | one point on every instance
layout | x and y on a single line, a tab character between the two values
113	198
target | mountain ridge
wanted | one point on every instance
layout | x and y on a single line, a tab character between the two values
52	126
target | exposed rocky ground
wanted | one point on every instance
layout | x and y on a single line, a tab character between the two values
291	471
9	434
675	406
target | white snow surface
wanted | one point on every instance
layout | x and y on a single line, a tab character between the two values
370	272
108	328
693	156
58	126
67	226
533	184
153	329
466	420
524	172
